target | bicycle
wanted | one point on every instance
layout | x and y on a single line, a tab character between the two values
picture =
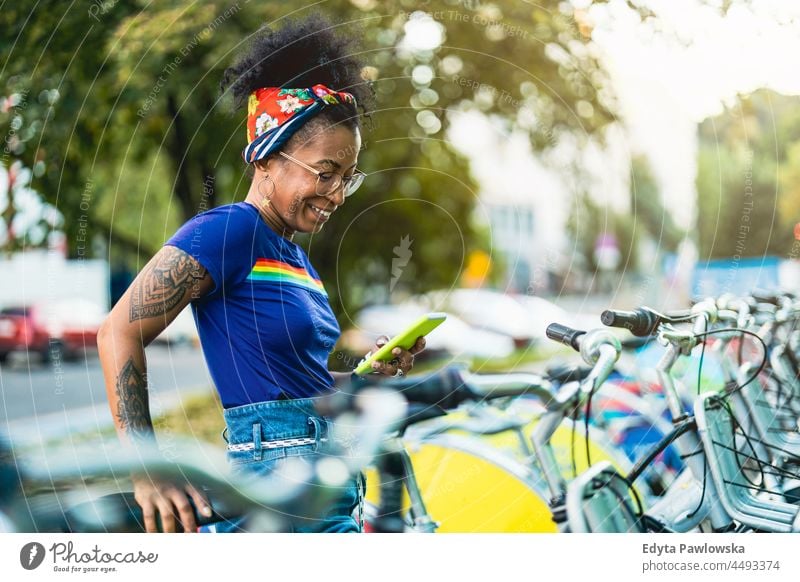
710	439
83	483
532	482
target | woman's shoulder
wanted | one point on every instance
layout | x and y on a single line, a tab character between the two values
228	218
227	223
235	211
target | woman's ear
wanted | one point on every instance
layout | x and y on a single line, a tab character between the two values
268	165
261	166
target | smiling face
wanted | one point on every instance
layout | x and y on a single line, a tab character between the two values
295	205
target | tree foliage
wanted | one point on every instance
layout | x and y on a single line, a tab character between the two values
748	194
140	135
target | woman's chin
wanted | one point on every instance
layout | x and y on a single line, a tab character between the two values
313	225
308	227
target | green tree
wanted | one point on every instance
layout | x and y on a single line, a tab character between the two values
140	130
745	176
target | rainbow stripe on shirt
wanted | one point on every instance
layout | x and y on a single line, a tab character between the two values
280	272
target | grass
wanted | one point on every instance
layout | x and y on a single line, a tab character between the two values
199	417
523	358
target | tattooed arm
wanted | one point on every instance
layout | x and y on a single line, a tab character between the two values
163	289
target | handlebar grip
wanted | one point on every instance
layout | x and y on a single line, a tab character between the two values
565	335
563	373
640	323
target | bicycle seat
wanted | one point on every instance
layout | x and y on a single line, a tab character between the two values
419	412
561	373
763	296
120	513
483	420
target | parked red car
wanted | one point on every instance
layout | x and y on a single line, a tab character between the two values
56	331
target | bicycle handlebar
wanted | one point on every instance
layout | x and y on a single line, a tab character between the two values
592	345
565	335
303	487
454	384
640	322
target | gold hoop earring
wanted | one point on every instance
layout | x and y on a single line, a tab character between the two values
266	199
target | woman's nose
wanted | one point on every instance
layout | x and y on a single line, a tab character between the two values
337	196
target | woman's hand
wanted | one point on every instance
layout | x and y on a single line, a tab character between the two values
403	360
169	499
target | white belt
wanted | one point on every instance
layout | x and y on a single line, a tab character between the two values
274	444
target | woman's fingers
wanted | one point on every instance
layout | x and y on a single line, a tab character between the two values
385	368
419	345
167	518
401	359
388	368
149	515
169	501
185	511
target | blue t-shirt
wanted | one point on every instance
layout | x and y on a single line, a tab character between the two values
267	326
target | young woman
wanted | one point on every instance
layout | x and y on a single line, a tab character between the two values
263	316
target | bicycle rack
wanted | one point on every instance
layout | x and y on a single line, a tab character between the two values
598	501
735	491
767	419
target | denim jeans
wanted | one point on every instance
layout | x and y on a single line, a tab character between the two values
263	436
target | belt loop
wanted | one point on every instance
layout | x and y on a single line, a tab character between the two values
328	427
317	431
257	441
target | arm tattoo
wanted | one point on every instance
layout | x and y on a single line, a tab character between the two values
133	408
163	284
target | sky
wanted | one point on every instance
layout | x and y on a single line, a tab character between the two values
666	80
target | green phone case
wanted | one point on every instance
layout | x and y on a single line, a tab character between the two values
423	326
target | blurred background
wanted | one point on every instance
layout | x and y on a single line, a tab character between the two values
529	163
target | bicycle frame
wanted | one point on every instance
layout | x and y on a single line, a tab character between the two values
687	503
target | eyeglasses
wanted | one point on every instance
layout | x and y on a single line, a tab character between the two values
330	182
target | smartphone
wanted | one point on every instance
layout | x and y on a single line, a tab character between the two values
406	340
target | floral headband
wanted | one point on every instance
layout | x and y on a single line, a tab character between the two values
275	114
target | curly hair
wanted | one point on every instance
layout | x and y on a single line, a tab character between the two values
303	53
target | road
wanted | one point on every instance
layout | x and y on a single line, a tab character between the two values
42	401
